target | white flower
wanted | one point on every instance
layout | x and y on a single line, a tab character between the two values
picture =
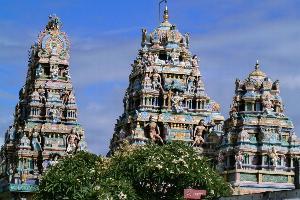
159	166
122	196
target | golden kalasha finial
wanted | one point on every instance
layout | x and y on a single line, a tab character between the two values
166	14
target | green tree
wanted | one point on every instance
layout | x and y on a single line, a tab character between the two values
163	172
78	178
147	172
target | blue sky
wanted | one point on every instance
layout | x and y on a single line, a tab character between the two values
228	36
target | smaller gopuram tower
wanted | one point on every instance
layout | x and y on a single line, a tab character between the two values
166	100
45	126
259	149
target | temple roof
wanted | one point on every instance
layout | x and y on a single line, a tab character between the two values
165	36
257	73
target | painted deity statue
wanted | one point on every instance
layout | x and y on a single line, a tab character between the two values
239	160
156	80
147	82
54	114
36	140
153	129
72	141
267	103
54	72
190	84
187	39
195	61
198	133
177	103
273	157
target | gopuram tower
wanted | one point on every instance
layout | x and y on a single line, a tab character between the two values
259	150
45	126
166	100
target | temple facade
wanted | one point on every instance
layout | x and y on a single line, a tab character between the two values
166	99
45	126
259	150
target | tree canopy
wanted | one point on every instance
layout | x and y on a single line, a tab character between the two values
133	172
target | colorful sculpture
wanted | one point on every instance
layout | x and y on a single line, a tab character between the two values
45	127
259	146
165	100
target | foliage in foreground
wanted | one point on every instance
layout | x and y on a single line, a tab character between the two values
78	178
149	172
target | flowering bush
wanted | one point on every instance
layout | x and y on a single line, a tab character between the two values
144	172
163	172
78	178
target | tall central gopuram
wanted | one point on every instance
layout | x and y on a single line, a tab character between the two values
260	150
45	126
166	100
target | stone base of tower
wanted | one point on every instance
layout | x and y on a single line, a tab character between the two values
256	181
14	191
16	195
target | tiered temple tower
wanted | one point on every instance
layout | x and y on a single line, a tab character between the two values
45	125
259	150
166	100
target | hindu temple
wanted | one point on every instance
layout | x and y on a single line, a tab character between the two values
259	150
45	126
166	99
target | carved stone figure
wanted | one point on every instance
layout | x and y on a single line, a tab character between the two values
177	103
36	140
187	39
39	71
174	57
237	84
82	145
273	157
151	60
43	95
10	172
154	132
72	143
67	74
54	114
276	85
267	104
144	35
156	81
147	82
158	61
25	141
195	61
126	101
190	84
239	158
198	133
243	136
64	95
54	72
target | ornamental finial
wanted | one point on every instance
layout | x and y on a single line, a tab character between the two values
166	13
257	65
54	23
